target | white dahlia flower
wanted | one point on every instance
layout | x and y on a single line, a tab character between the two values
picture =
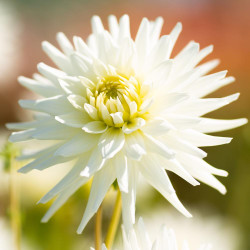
118	108
138	239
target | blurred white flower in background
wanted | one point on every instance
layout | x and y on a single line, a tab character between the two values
118	108
9	43
220	232
139	238
10	60
6	237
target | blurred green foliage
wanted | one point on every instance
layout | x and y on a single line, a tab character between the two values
9	152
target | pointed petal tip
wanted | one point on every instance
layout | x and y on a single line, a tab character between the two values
124	16
75	38
96	20
44	199
95	17
22	170
195	183
145	19
40	65
39	202
216	62
220	187
179	25
159	18
59	35
223	190
229	139
45	45
20	79
21	103
44	220
203	154
225	173
82	226
211	47
231	78
111	16
235	96
8	126
244	121
179	206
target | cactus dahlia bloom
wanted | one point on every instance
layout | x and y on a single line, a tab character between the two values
119	108
138	239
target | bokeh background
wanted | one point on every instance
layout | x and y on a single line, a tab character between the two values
222	220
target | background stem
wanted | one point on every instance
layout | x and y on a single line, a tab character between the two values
14	205
114	221
98	229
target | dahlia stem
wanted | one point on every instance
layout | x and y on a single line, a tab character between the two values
98	229
14	205
114	221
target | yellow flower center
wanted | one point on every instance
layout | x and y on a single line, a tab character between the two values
117	99
111	86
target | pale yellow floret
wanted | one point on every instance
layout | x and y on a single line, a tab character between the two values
117	100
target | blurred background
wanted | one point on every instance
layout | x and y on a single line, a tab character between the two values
222	220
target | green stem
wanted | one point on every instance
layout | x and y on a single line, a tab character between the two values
98	229
14	205
114	221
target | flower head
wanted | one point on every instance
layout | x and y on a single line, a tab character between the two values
119	108
138	239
